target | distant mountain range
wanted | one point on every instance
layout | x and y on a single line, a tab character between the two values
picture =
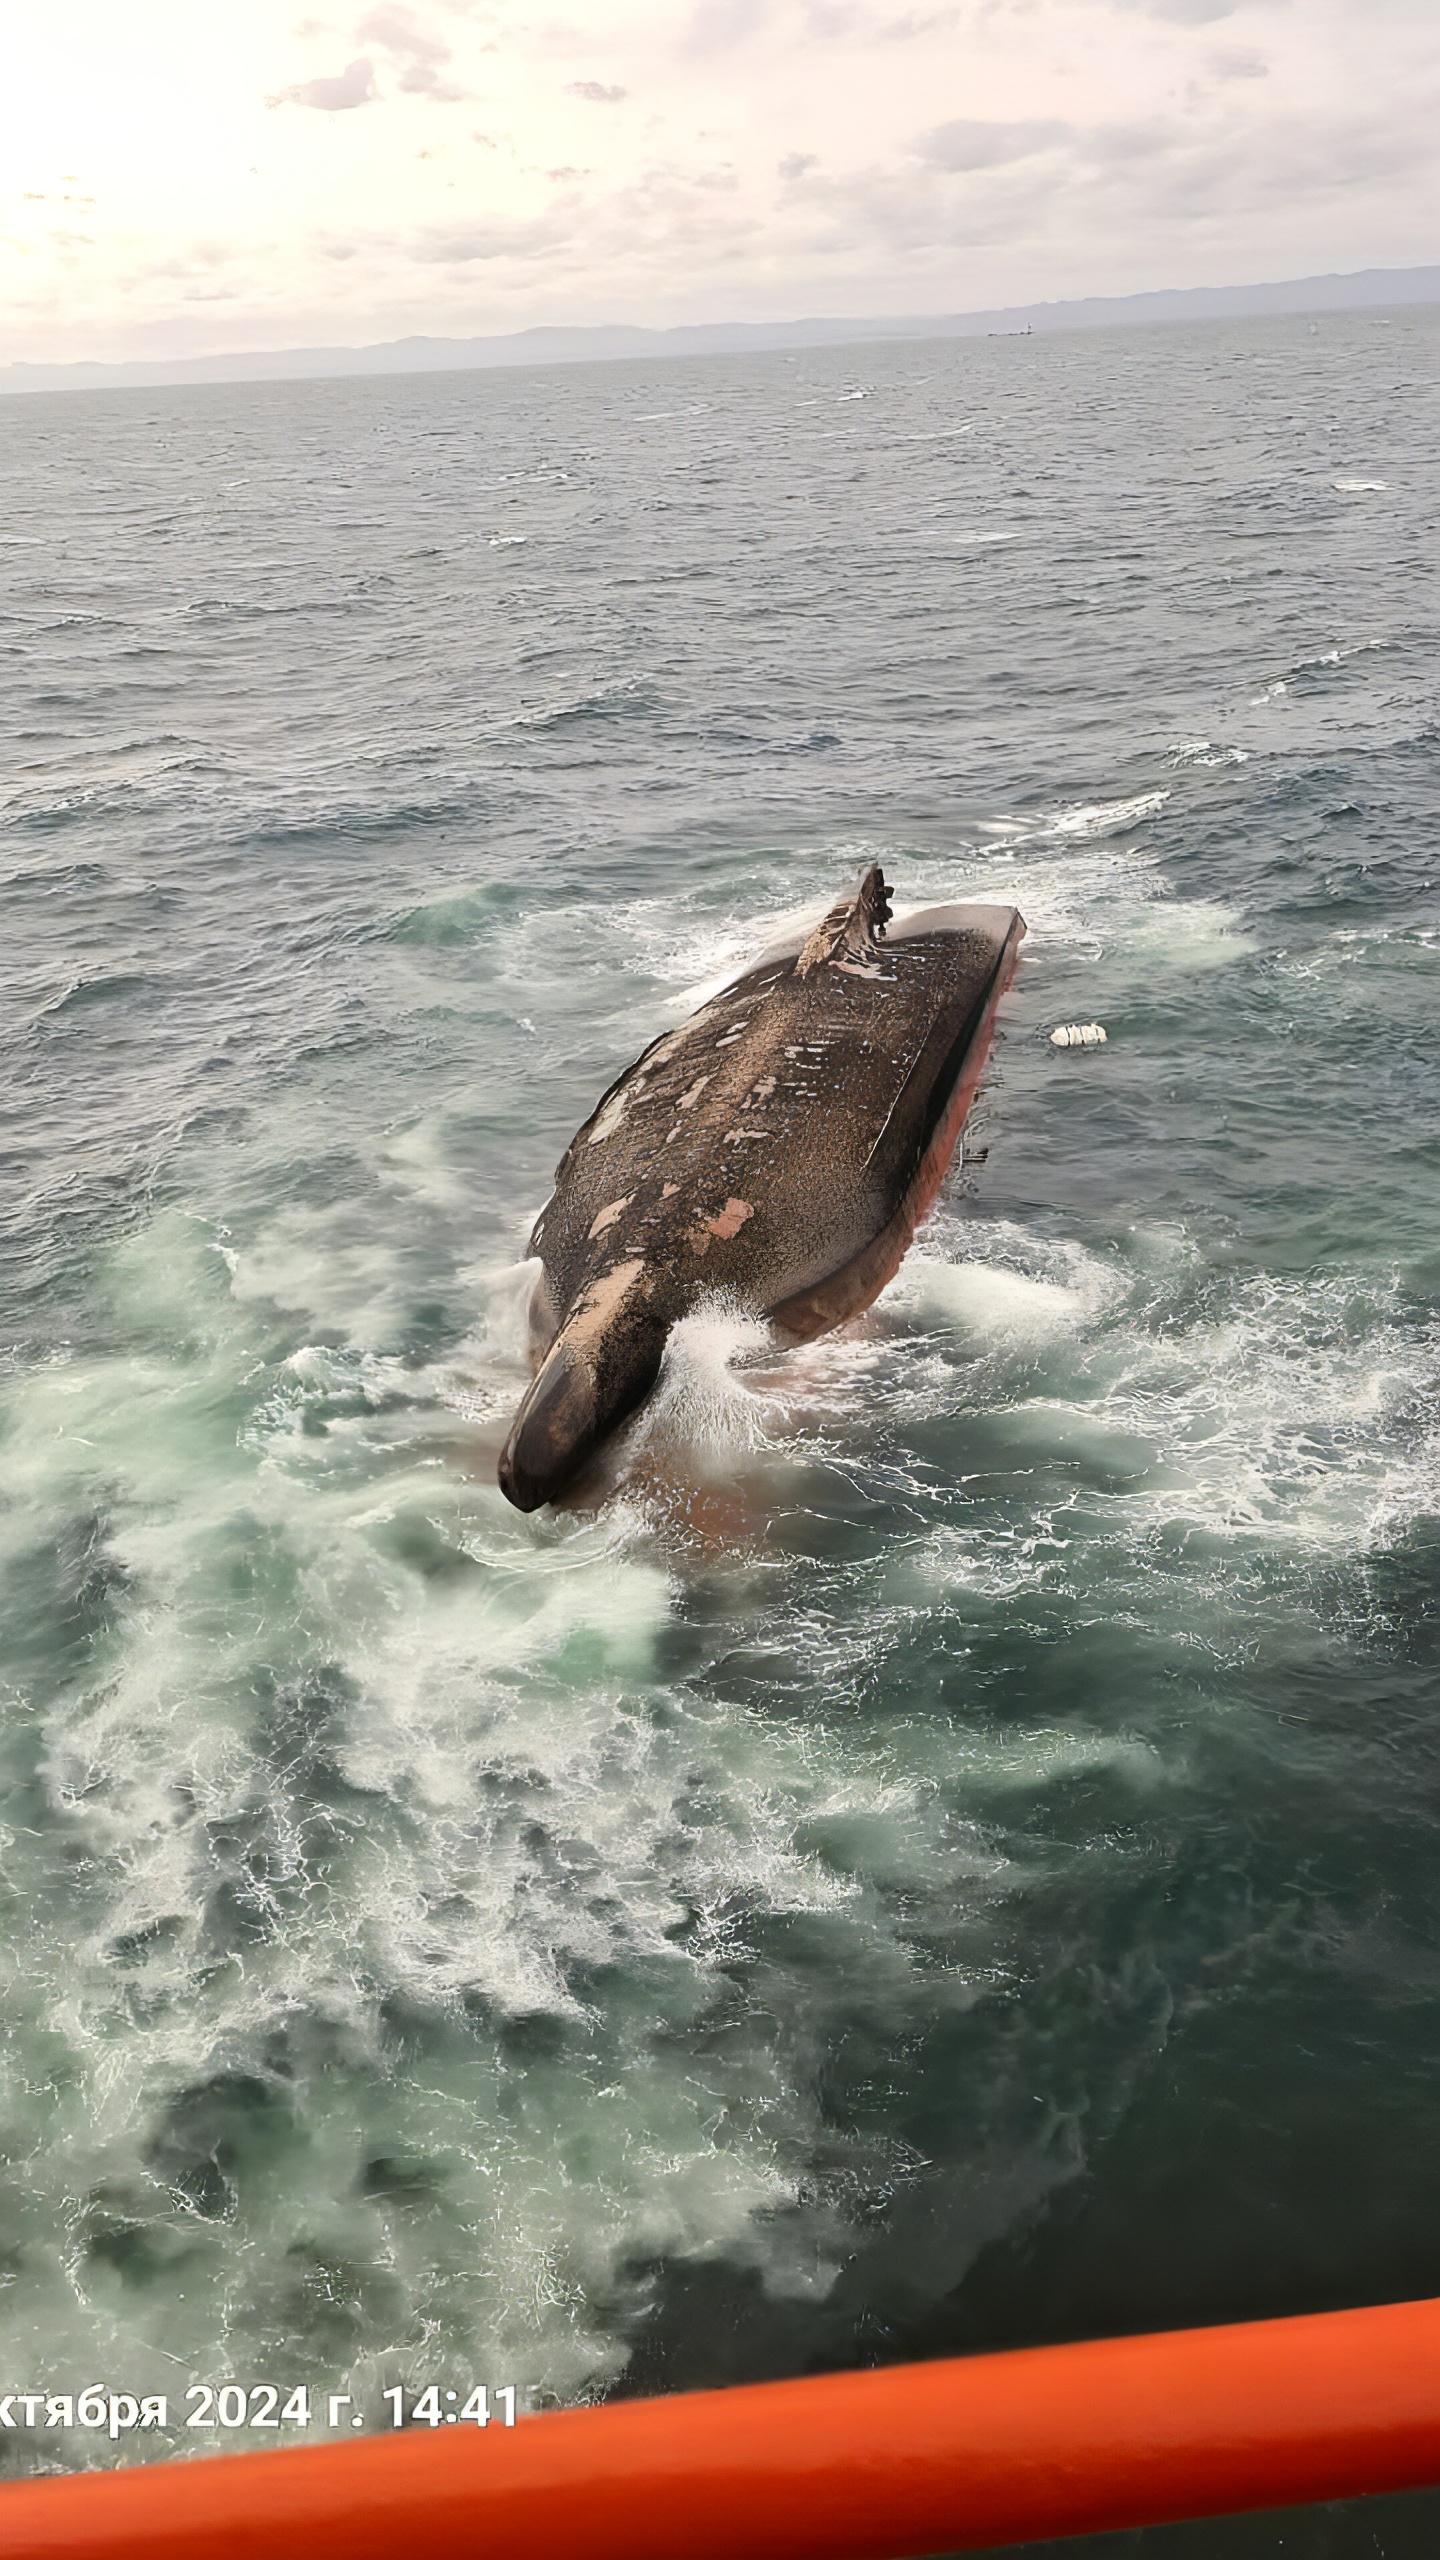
1372	287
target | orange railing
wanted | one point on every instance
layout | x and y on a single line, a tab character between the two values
915	2459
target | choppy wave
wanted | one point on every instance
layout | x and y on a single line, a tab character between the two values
914	1838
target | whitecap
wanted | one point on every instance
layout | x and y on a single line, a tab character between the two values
1203	752
1189	934
1106	817
992	1304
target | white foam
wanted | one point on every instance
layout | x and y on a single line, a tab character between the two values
522	1805
1079	885
998	1287
1105	817
1188	934
329	1266
700	1403
1206	754
477	1719
991	1305
722	952
506	1290
419	1160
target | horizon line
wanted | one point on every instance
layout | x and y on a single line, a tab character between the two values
579	343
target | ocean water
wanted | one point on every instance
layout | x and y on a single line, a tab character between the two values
944	1854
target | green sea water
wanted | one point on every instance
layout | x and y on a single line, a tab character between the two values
944	1854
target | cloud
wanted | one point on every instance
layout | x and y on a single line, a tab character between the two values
595	90
1166	178
1044	148
967	143
717	24
417	56
474	243
887	215
904	30
1236	62
352	87
828	21
1117	145
1184	13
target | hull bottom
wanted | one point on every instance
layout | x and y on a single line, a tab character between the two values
858	1283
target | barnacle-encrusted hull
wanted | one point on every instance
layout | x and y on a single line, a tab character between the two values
782	1147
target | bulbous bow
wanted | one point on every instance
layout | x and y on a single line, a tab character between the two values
599	1368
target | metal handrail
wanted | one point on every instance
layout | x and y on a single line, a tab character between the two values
966	2454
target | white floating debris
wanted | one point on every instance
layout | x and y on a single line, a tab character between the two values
1078	1035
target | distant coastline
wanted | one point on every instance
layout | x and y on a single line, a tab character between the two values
1369	288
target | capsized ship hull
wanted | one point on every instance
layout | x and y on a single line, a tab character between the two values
781	1147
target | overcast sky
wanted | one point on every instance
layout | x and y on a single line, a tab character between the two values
181	176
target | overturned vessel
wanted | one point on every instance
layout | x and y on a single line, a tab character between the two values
780	1148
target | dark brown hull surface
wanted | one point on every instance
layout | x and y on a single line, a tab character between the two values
780	1149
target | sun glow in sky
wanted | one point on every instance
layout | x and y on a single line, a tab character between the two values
179	178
